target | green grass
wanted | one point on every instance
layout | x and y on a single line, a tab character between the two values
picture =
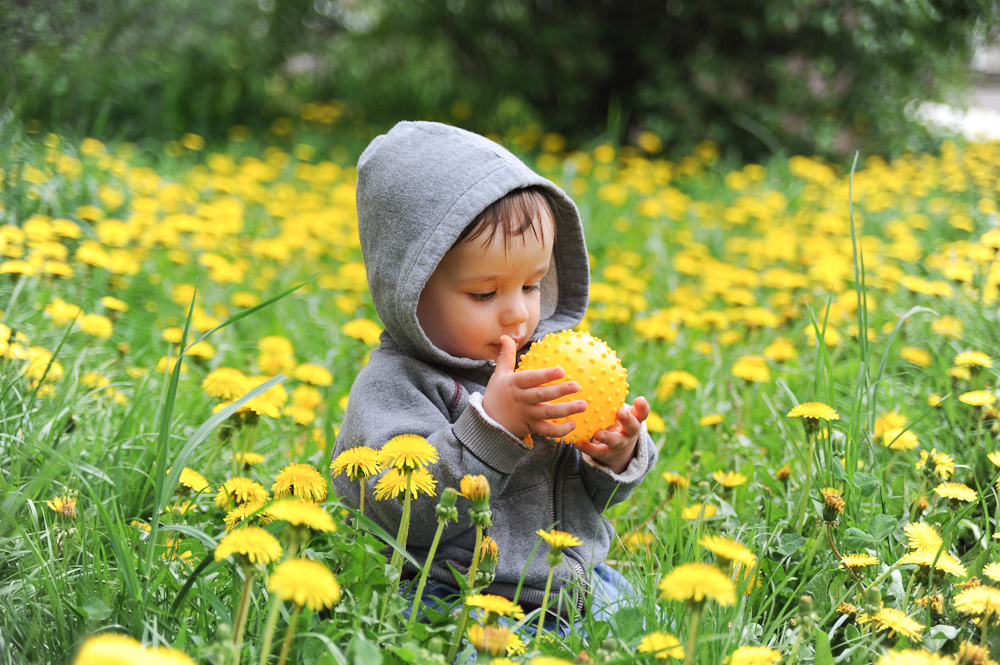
689	265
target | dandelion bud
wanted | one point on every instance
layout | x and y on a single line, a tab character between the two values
477	490
873	602
446	510
784	473
833	505
489	557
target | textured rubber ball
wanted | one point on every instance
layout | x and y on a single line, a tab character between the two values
592	364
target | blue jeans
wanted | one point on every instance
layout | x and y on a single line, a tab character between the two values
610	592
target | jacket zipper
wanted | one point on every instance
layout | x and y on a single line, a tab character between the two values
575	567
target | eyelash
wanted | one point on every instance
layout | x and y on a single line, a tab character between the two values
483	297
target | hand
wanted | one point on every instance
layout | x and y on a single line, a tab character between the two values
614	447
519	401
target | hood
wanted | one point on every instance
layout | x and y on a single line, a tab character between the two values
419	186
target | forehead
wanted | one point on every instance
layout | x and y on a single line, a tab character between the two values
485	257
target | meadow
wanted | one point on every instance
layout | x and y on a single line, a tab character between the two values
181	325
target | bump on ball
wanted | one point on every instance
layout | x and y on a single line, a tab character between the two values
591	363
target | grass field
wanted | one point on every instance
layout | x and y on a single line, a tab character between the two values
823	387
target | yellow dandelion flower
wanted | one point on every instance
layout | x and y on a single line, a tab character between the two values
409	451
948	326
959	373
922	536
979	600
753	656
888	421
914	657
674	479
670	381
118	649
992	571
753	369
711	420
496	604
114	304
894	621
305	582
919	357
933	399
858	560
245	511
899	439
956	491
313	374
637	541
253	542
781	350
662	645
994	457
727	549
558	540
492	640
358	462
972	654
302	513
943	465
303	481
729	479
64	506
393	484
364	329
248	459
978	398
697	582
96	325
193	480
240	490
973	359
698	511
945	562
816	410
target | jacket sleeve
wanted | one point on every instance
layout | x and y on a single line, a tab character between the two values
393	396
606	487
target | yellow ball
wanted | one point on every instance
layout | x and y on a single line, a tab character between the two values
592	364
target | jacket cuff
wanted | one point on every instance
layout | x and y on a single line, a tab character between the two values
632	474
487	439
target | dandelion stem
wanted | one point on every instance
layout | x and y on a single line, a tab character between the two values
692	634
475	557
425	572
404	529
545	601
239	627
800	513
829	538
272	621
459	631
287	645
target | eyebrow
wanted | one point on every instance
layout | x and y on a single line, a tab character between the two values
489	277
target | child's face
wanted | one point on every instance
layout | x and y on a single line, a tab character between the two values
481	291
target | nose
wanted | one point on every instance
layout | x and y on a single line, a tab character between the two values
514	312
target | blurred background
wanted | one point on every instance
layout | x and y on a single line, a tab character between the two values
759	77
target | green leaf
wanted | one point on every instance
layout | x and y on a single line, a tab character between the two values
824	656
790	543
865	483
363	652
629	623
856	540
882	526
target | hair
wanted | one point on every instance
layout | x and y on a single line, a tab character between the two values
513	215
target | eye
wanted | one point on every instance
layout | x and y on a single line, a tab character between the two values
482	297
530	288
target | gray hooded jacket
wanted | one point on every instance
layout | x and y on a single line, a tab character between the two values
419	186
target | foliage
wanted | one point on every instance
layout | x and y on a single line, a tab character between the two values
858	293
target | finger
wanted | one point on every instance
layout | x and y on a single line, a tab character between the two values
554	430
550	410
530	378
611	439
552	392
594	449
640	409
507	357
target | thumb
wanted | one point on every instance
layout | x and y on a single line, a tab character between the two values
508	355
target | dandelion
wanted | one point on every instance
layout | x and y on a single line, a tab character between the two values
888	421
359	463
833	505
711	420
894	621
973	654
306	583
753	656
365	330
302	513
981	601
245	511
983	398
493	604
992	571
814	411
728	550
445	512
919	357
936	463
239	490
914	657
945	562
858	560
96	325
393	485
973	359
253	542
118	649
752	369
956	492
249	459
491	640
729	479
698	511
899	439
669	382
300	480
313	374
408	452
193	480
661	645
922	536
558	541
64	506
676	479
696	583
